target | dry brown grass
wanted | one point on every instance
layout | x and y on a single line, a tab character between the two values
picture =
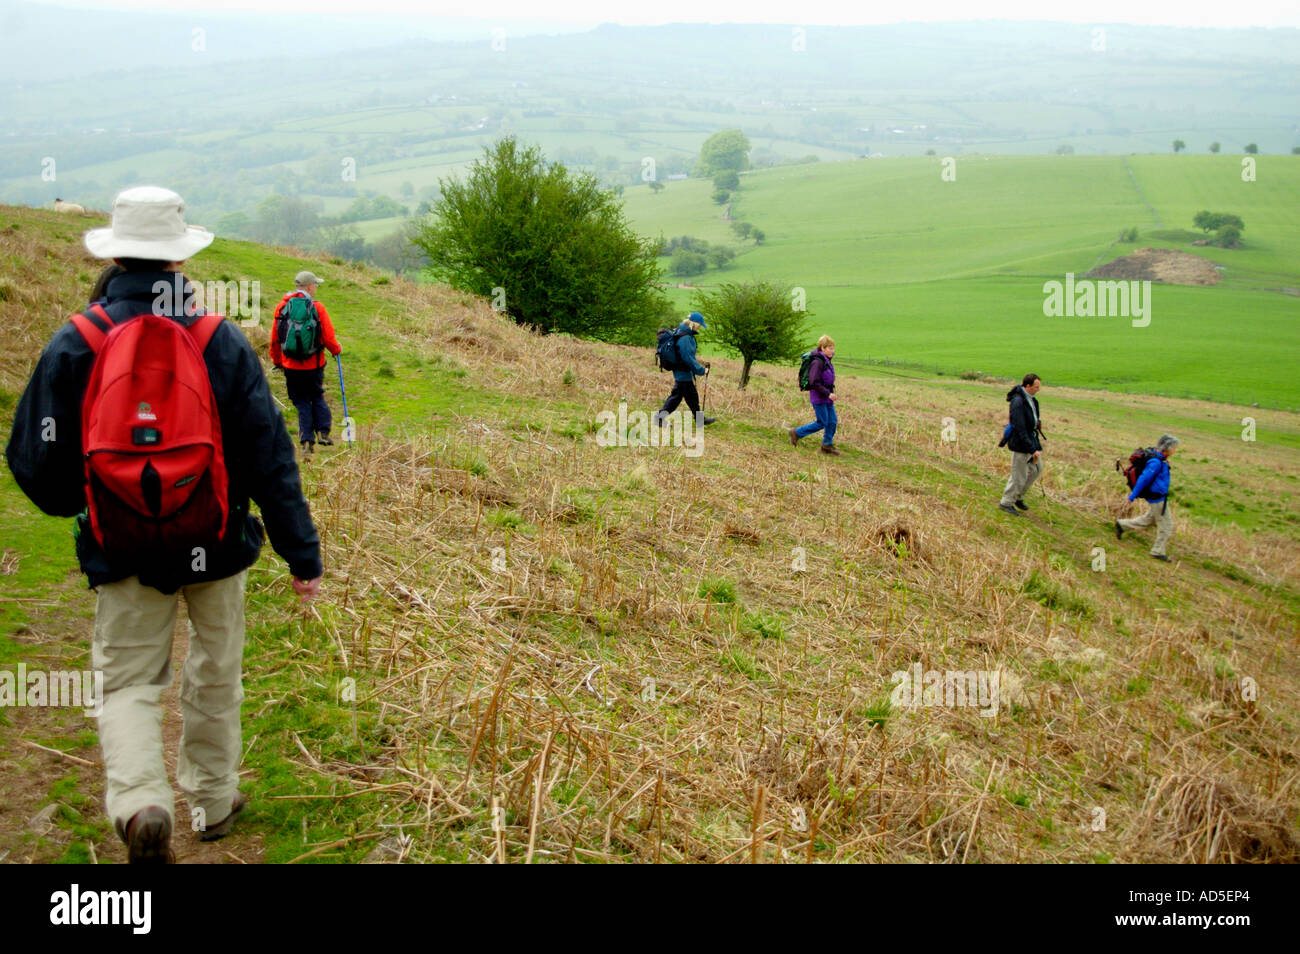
526	689
523	687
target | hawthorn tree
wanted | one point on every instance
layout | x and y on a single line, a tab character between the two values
756	320
552	247
724	151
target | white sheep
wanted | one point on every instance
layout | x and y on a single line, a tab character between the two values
70	208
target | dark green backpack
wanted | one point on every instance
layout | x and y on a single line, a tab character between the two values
300	329
805	371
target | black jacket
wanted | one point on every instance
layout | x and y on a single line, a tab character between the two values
259	453
1025	436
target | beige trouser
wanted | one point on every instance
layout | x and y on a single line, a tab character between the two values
1162	516
133	648
1024	471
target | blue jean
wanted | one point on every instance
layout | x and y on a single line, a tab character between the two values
826	418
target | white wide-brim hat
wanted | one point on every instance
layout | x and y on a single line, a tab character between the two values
147	223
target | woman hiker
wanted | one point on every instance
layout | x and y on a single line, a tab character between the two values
821	392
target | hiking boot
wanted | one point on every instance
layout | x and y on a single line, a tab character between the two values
1020	505
831	449
222	828
1119	531
794	436
1007	508
1161	557
323	438
148	837
307	448
709	420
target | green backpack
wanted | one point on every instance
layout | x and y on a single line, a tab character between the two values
805	369
300	329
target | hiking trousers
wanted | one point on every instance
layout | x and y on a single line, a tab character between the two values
682	391
1024	471
132	646
307	392
1158	512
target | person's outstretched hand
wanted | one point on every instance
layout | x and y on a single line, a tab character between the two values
307	589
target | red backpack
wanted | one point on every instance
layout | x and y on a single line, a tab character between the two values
1137	462
151	436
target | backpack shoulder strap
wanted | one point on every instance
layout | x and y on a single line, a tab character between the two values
91	331
204	328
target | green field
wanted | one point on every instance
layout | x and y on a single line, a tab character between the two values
904	267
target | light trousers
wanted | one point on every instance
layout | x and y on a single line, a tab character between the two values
133	648
1024	471
1159	513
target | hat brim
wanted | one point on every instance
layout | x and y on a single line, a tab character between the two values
102	243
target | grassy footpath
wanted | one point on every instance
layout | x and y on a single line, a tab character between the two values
536	647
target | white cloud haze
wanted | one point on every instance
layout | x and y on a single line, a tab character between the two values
808	12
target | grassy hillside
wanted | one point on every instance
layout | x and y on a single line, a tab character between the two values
902	266
569	652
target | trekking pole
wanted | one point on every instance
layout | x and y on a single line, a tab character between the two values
705	402
348	427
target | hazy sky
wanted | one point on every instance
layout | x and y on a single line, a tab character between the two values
843	12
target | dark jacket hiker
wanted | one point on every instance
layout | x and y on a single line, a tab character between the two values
686	371
259	455
1026	430
179	431
1023	437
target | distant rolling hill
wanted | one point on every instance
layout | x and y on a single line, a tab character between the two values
903	266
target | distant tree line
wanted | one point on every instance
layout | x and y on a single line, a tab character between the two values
296	221
692	256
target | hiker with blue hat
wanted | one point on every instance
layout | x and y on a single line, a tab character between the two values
685	368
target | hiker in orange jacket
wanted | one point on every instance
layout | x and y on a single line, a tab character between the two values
300	336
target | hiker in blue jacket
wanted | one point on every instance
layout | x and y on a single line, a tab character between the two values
1152	486
684	376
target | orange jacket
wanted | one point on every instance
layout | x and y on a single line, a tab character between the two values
327	338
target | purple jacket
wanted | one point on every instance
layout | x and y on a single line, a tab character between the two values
821	378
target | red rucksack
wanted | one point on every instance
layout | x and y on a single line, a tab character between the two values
1137	462
151	437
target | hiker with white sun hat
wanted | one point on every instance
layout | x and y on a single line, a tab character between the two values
180	431
147	224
